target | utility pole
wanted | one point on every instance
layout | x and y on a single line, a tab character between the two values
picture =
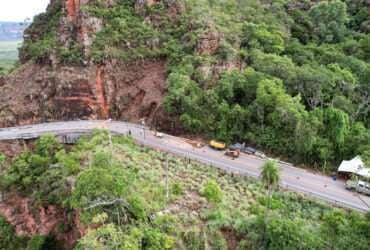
143	125
167	189
110	135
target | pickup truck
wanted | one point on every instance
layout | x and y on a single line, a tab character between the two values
359	186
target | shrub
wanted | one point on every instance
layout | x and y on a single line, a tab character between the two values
2	160
212	192
36	243
177	189
8	240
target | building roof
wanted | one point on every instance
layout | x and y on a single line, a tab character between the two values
365	172
355	166
352	166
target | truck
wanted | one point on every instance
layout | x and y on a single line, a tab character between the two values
358	186
217	145
233	153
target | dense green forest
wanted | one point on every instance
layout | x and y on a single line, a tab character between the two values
132	197
303	88
290	77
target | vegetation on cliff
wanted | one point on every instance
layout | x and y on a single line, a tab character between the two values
132	197
300	87
291	77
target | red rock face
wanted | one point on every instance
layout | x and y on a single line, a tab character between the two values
2	81
12	148
100	92
72	7
47	91
128	92
30	221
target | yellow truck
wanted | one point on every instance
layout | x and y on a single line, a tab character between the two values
217	145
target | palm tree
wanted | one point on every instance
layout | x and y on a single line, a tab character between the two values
270	177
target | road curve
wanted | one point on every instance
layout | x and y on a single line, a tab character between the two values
296	179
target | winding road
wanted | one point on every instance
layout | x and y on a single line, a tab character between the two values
295	179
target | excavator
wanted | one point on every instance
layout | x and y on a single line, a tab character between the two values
233	153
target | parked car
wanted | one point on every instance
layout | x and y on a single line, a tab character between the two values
249	150
236	146
243	148
359	186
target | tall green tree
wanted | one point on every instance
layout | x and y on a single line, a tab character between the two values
270	176
329	19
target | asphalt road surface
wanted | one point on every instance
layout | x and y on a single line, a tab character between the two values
296	179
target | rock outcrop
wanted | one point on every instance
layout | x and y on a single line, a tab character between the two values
122	92
48	90
29	220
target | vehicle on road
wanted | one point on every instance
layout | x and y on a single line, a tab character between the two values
358	186
242	148
217	145
232	153
249	150
158	134
237	146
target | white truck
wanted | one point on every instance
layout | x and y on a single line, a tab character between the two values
158	134
359	186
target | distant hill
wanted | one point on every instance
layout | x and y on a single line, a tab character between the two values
10	31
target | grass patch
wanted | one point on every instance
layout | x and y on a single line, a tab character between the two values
8	54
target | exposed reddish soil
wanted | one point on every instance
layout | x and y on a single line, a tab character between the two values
46	90
2	81
139	92
122	92
100	92
72	6
232	238
29	221
12	148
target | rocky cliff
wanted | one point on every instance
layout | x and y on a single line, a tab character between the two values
88	59
47	88
39	92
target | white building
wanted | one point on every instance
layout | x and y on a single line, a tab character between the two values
355	166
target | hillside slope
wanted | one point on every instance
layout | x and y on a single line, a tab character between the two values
291	77
114	194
